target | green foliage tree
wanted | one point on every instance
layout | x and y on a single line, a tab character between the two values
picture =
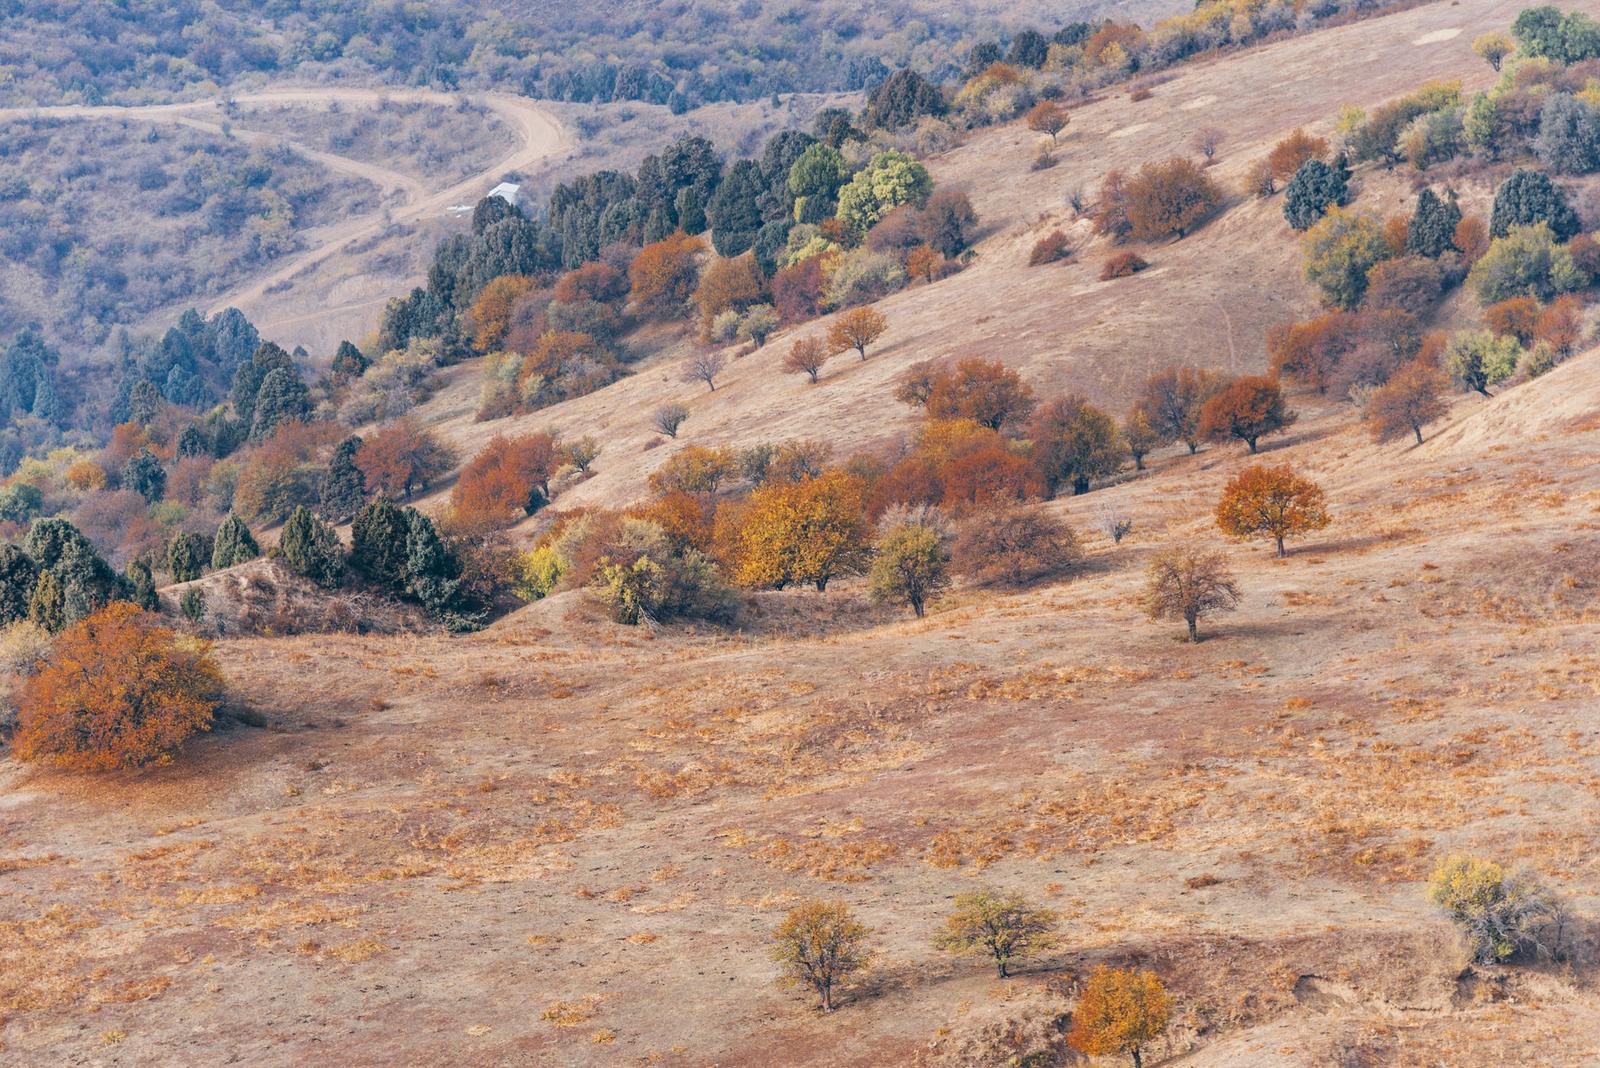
1340	251
47	606
890	179
142	582
144	475
83	583
344	487
1526	262
901	99
1479	359
18	577
311	548
192	604
234	544
814	182
1005	925
1568	141
1315	187
348	361
1529	198
20	502
910	566
185	561
1431	229
735	210
378	543
248	378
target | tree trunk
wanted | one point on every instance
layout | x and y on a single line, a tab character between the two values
1138	461
1194	628
1417	430
863	350
1281	553
1138	1062
827	997
916	606
1194	447
822	584
1080	486
1251	442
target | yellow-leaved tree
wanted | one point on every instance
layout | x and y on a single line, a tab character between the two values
806	531
1119	1011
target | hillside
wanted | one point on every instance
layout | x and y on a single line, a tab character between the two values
562	840
1059	326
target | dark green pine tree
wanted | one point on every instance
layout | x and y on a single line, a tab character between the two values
1314	188
144	475
344	487
185	561
1431	231
234	544
143	583
348	362
311	548
18	577
378	544
283	398
735	213
1528	198
47	606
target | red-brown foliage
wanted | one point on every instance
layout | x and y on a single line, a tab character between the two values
509	479
797	290
1310	352
1050	248
1288	155
401	458
1518	317
985	391
1121	265
1560	325
1246	408
663	275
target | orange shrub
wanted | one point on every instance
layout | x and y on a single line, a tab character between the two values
1169	198
1310	352
1517	317
695	469
689	519
1050	248
163	690
1288	155
86	475
984	391
1560	325
490	315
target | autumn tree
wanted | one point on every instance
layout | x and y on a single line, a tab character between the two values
806	356
819	945
507	480
694	469
1140	436
1273	501
1173	398
1494	47
1310	352
924	262
856	329
1411	399
1119	1012
1003	924
1478	359
1499	911
1340	252
1169	198
1288	155
402	458
1247	408
1518	317
1189	584
490	315
911	565
1207	140
1016	548
808	531
985	391
1075	443
663	275
166	690
727	285
1048	117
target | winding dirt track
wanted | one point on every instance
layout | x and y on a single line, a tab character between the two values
540	135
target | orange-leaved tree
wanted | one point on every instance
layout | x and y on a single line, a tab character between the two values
509	479
1169	198
663	275
1411	399
985	391
1048	117
1246	408
856	329
1271	501
1288	155
117	691
401	458
1119	1011
806	356
490	314
806	531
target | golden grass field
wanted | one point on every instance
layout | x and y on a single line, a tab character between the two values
564	842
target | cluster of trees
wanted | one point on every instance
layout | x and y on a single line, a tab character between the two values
820	945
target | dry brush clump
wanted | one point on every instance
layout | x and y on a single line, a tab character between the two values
1016	548
117	691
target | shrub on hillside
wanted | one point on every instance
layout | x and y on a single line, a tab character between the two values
1016	548
1500	912
1169	198
1527	261
641	577
1050	248
168	689
311	548
1121	265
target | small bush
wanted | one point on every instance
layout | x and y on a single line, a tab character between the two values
1501	913
1017	548
1049	248
1122	265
